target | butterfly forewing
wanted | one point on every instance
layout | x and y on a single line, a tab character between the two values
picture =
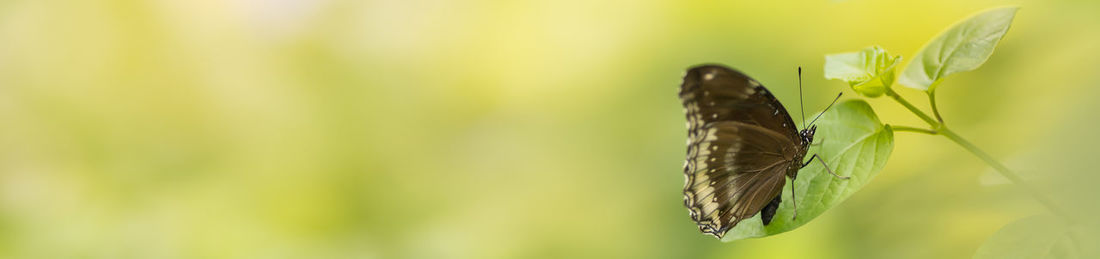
741	144
722	94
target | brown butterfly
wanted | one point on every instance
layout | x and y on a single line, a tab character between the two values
742	144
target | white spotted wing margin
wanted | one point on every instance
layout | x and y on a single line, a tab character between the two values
722	186
741	145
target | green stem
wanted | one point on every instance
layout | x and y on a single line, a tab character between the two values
918	112
940	129
1007	173
913	129
935	111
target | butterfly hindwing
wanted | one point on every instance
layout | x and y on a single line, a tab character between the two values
735	172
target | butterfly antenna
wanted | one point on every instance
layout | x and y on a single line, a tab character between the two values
827	108
801	105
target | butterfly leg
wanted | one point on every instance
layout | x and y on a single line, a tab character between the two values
825	165
794	203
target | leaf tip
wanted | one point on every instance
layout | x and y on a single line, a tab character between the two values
964	46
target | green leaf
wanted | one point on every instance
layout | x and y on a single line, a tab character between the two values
869	72
1043	236
963	47
854	143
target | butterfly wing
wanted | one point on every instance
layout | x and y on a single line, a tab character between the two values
718	93
740	145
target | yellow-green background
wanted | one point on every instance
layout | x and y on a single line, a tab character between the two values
490	129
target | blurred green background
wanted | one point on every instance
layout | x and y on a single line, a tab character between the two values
492	129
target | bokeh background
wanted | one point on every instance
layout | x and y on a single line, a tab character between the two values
492	129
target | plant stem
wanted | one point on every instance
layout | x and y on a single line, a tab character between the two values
913	129
1007	173
918	112
935	111
938	128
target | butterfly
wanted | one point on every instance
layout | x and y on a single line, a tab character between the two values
742	145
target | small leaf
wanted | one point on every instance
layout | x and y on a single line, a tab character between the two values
869	72
1043	236
963	47
854	143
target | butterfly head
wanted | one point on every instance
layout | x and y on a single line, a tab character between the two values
807	135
